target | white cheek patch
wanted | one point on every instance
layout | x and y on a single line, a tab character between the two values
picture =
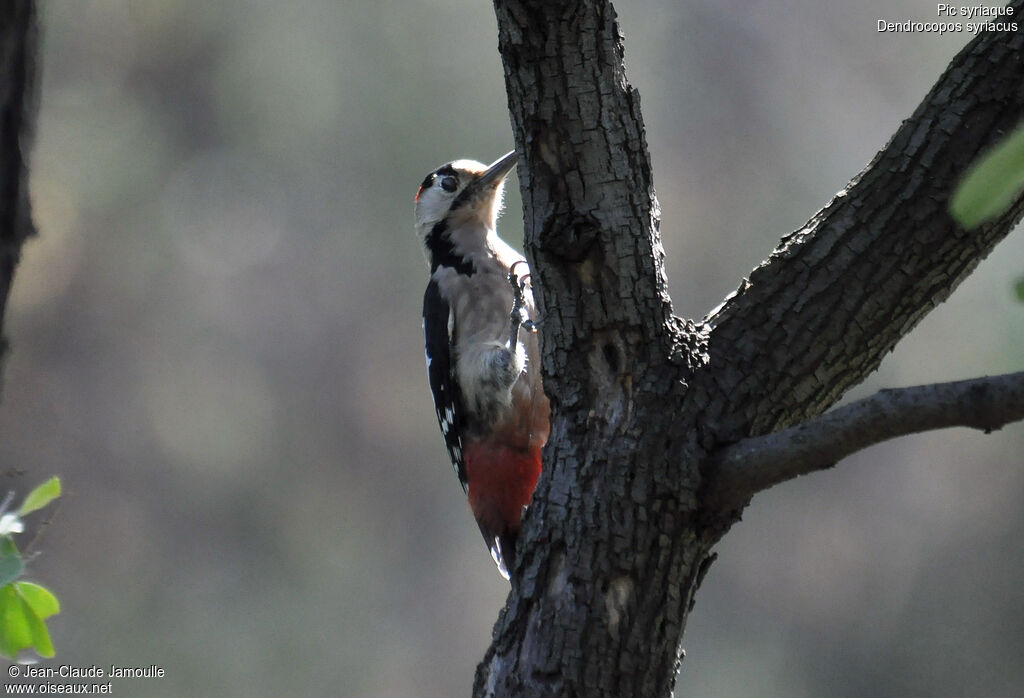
432	204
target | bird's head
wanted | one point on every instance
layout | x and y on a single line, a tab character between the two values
462	193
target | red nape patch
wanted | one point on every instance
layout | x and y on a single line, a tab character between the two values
418	192
501	482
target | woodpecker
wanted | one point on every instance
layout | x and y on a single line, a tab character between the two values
483	357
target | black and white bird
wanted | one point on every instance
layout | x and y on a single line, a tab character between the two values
483	356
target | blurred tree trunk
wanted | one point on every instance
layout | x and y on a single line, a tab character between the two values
18	44
630	504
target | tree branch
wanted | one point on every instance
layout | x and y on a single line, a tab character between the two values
821	312
742	469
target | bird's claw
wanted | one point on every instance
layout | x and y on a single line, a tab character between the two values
520	315
518	282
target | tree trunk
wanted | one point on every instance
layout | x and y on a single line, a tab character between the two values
620	531
18	42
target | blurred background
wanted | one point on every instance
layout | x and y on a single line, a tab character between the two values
216	344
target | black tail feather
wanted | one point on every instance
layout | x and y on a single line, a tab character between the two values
503	550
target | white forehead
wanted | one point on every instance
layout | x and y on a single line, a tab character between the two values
469	166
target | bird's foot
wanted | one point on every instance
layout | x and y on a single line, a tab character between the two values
520	315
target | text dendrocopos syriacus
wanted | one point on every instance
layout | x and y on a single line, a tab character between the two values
484	372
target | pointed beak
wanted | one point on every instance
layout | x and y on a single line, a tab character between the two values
496	172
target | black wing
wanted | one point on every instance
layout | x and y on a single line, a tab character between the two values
439	331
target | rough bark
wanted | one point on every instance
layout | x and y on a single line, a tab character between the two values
18	43
621	527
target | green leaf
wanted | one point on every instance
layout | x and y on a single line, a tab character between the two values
991	184
15	633
23	606
41	496
41	599
40	635
1019	289
11	565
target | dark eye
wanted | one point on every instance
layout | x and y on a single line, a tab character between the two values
449	183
